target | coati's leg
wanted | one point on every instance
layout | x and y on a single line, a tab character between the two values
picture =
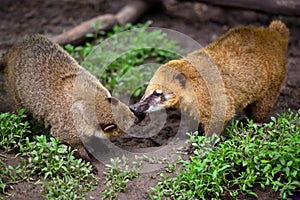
218	123
260	110
218	127
81	152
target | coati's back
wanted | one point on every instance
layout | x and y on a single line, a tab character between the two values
37	71
250	56
46	81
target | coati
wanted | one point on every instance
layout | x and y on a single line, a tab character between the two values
251	62
50	85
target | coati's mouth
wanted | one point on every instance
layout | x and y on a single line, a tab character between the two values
147	103
155	101
139	111
110	130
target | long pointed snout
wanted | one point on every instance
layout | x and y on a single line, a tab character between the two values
138	110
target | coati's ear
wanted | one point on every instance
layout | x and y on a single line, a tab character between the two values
114	101
181	79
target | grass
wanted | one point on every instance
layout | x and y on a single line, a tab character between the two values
252	155
43	161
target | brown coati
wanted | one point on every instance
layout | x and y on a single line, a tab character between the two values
50	85
251	62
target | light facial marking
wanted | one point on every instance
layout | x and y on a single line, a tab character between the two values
155	104
145	97
154	108
157	92
156	100
169	96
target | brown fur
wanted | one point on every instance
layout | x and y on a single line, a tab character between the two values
49	84
252	63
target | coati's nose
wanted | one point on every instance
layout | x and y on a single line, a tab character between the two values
135	108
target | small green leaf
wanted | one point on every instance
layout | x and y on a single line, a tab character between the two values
289	163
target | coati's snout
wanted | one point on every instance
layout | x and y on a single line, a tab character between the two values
139	110
152	102
158	95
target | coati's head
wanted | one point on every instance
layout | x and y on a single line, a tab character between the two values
97	113
167	88
113	116
116	118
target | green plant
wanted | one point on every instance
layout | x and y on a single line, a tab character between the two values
123	52
66	187
79	52
98	31
50	163
127	51
12	133
117	175
251	155
56	165
10	175
12	130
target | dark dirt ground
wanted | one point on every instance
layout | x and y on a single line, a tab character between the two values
200	22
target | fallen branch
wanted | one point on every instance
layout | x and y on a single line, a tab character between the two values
77	34
284	7
129	13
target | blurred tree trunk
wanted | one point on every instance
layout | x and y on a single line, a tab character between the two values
285	7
